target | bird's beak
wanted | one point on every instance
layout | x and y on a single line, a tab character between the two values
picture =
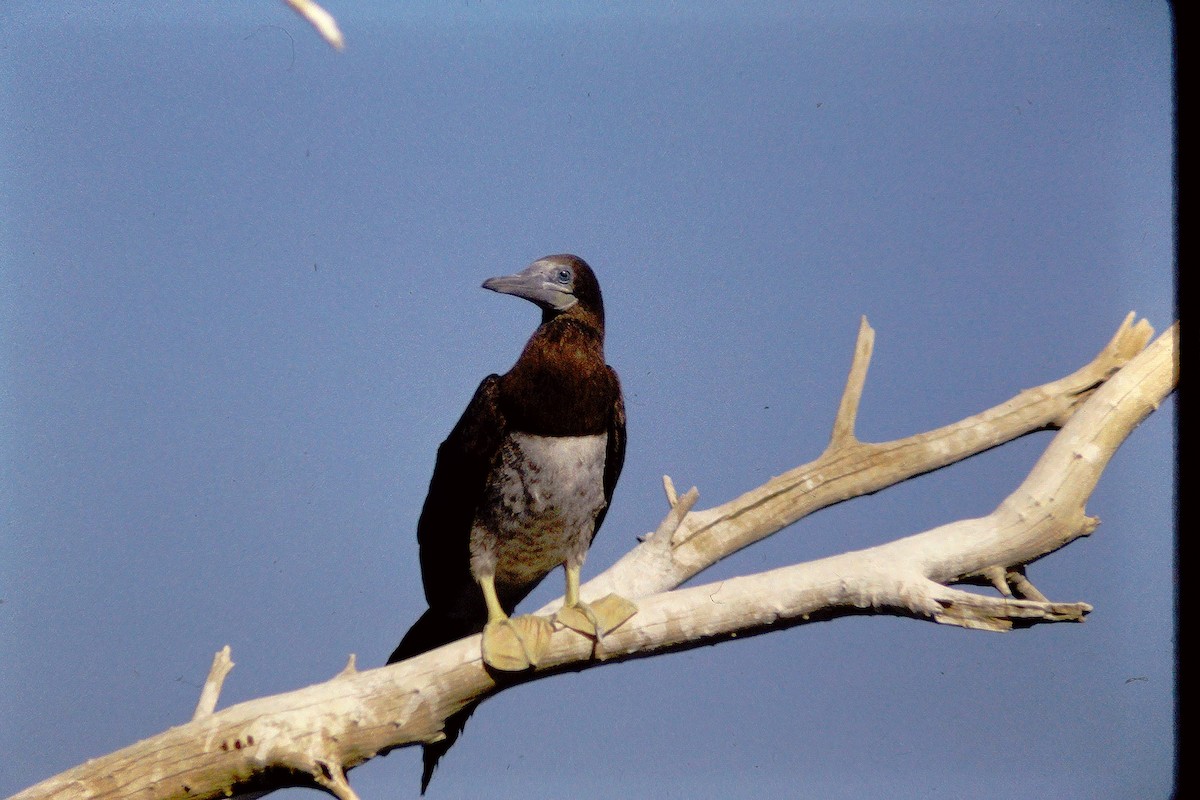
520	284
533	284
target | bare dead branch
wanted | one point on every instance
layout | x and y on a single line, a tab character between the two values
313	736
849	468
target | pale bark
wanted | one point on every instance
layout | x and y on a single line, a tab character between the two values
310	737
321	20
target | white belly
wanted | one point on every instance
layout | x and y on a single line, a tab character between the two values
541	506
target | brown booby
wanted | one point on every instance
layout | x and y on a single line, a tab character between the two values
522	484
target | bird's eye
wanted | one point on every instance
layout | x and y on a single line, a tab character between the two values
563	276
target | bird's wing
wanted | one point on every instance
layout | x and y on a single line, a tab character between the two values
460	475
614	458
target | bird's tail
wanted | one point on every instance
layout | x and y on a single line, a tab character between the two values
431	754
431	631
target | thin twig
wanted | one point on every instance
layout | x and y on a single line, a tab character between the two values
221	665
847	415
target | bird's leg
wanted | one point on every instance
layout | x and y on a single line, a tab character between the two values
572	570
510	644
495	611
591	619
576	615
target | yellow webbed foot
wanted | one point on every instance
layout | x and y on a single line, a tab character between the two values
596	619
513	644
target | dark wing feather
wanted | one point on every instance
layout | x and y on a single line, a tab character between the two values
456	606
615	456
463	463
464	460
460	476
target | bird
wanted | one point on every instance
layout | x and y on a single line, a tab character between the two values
521	485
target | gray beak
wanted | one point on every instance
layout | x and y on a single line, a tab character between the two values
535	283
519	284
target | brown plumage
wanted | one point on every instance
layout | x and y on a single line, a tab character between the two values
523	481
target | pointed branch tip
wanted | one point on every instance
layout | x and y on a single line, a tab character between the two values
665	532
847	414
970	610
669	488
351	668
221	665
996	575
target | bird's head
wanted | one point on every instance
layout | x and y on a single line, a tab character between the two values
556	284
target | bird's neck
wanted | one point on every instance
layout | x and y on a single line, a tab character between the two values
589	314
560	386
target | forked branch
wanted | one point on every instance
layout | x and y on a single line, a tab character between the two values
313	736
849	468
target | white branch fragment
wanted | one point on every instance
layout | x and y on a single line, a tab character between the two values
351	667
221	665
669	488
649	561
847	415
320	19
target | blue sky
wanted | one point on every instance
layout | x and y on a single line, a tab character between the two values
241	308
